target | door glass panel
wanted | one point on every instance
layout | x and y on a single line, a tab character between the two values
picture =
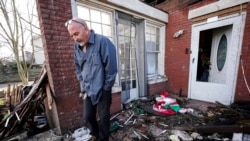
127	55
222	52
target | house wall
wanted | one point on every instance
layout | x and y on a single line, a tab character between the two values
157	88
67	112
177	59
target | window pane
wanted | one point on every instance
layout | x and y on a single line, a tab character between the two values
133	31
222	52
106	30
95	16
153	31
148	28
96	27
147	37
153	38
151	62
83	12
127	52
106	18
88	23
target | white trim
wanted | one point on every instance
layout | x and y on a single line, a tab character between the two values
135	8
140	7
217	6
116	89
157	79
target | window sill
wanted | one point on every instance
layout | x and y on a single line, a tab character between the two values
116	89
157	79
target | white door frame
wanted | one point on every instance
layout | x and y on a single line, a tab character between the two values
238	21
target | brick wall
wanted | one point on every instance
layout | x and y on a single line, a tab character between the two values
242	93
177	61
156	88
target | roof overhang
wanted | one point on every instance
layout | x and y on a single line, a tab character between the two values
141	8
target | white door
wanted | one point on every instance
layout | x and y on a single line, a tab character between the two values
222	43
127	56
220	52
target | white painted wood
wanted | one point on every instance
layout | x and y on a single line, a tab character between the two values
213	7
222	92
216	76
142	8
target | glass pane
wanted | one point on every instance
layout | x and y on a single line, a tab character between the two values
95	16
151	62
147	37
127	52
133	52
120	29
153	31
126	30
88	23
96	27
106	30
157	32
222	53
83	12
147	46
133	32
121	52
106	18
133	64
127	63
148	29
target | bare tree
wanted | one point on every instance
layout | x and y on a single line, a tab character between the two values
17	30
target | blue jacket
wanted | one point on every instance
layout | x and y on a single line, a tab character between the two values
97	68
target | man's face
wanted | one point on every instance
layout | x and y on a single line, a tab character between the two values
78	32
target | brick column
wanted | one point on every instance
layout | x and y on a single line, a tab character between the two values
58	50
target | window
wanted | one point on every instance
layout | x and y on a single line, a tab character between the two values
222	52
97	19
154	52
152	49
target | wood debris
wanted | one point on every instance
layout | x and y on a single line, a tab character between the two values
25	110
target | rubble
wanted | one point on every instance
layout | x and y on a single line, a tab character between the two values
139	121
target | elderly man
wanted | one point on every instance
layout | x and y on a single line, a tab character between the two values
96	69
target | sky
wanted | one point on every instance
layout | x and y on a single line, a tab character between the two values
22	6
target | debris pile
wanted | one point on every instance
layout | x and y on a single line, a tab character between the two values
141	121
26	114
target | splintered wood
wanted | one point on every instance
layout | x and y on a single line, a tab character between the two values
22	107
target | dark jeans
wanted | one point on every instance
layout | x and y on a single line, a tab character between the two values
100	128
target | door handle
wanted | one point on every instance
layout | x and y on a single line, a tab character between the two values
193	60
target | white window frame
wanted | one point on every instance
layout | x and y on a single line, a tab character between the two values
160	77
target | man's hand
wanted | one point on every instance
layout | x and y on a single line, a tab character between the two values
83	95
